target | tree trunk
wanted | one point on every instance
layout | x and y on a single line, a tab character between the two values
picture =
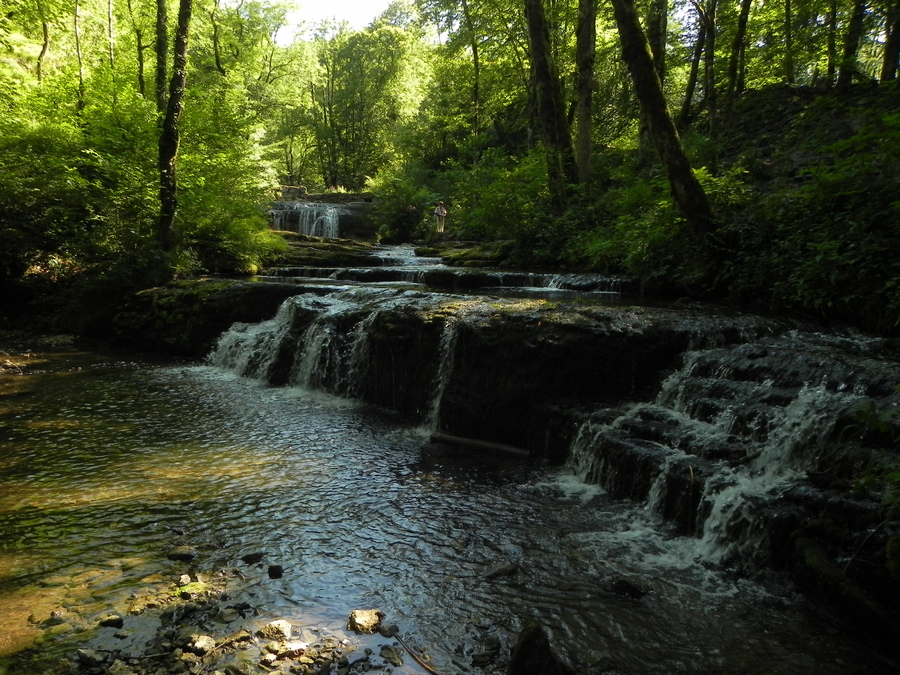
832	43
585	54
555	132
657	25
139	40
217	49
891	57
45	44
162	53
736	62
111	45
476	67
686	189
709	66
685	115
169	136
851	45
788	43
80	57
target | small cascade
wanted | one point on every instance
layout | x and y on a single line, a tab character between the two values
347	344
445	366
729	434
313	219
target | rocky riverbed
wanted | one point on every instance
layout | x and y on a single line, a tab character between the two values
209	622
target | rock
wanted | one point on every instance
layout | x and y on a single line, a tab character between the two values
123	634
184	579
228	615
90	657
392	655
202	644
532	654
484	658
120	668
389	630
57	617
505	570
292	650
112	621
276	630
365	620
276	571
626	587
183	553
252	558
268	659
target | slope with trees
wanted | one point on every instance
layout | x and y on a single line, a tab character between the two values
723	150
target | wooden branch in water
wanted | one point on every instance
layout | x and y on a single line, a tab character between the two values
475	444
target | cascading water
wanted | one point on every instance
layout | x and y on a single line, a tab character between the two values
313	219
741	425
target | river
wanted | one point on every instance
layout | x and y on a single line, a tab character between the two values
108	461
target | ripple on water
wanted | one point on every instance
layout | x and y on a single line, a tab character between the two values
107	467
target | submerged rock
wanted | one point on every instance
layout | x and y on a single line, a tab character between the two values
182	553
533	654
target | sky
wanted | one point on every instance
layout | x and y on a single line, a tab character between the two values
358	13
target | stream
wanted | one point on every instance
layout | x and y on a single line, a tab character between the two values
108	461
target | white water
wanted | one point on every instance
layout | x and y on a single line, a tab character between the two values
313	219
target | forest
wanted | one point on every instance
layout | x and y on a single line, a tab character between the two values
744	152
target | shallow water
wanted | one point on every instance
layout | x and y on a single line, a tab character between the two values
107	462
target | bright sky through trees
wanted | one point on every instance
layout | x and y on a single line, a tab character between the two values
358	13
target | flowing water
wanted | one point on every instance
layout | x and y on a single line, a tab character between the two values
107	462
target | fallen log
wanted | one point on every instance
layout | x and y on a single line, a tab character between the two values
475	444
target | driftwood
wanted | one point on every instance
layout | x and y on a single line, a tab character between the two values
475	444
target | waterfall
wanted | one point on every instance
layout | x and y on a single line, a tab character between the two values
729	433
313	219
354	344
445	366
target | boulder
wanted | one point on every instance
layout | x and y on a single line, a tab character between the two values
365	620
276	630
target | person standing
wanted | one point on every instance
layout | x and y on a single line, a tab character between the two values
440	215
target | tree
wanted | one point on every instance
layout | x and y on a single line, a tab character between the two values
548	95
169	135
585	52
686	189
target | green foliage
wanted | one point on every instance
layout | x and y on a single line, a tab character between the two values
404	210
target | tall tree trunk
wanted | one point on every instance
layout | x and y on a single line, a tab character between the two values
111	45
585	54
788	43
45	44
555	132
686	189
162	53
657	26
685	115
139	41
80	57
476	67
709	66
217	48
736	61
169	136
851	44
832	43
890	60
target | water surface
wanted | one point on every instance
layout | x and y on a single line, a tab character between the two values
108	462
